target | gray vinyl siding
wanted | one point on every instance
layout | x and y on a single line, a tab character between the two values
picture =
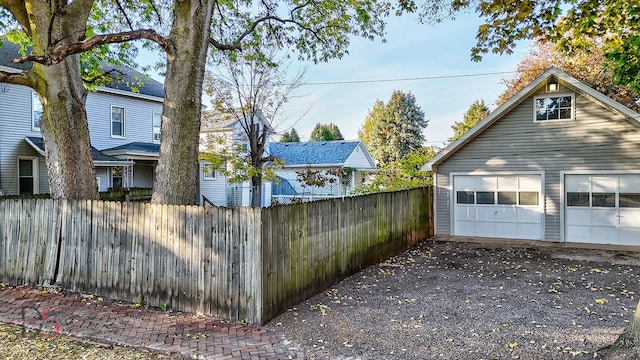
143	175
103	174
214	189
15	125
598	139
138	119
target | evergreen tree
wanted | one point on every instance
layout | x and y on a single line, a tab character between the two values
291	136
328	132
476	112
393	130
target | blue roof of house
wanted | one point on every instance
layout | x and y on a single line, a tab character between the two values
96	154
313	153
137	146
123	78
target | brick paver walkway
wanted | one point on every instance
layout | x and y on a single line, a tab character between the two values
108	321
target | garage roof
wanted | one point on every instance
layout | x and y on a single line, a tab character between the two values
518	98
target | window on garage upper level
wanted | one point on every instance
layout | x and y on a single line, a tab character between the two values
549	108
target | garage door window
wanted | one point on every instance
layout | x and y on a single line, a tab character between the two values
485	198
507	197
577	199
465	197
529	198
603	200
629	200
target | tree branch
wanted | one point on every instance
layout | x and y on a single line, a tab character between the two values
56	53
17	78
236	44
18	9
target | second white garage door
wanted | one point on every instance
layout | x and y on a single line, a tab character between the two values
603	209
507	206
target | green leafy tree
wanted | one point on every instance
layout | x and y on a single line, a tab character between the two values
290	136
393	130
404	174
476	112
326	132
574	25
59	30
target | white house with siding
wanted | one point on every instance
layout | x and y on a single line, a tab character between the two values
557	162
325	157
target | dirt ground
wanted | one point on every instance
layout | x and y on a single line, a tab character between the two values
472	301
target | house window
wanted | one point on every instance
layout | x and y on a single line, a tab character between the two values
36	112
157	126
116	177
28	175
208	172
554	108
117	121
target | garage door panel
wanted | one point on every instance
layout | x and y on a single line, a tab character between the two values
465	228
629	236
578	183
604	217
485	229
465	183
528	182
630	218
506	214
507	183
604	183
528	215
465	213
506	230
486	183
578	233
485	213
578	216
604	234
629	184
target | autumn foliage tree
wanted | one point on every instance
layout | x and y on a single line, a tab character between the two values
590	67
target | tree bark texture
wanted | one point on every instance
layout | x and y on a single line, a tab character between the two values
176	179
64	125
627	346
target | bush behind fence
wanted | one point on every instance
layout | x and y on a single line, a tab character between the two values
237	263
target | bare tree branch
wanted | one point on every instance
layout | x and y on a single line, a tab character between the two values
56	53
124	13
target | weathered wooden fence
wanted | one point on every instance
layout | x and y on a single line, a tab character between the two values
237	263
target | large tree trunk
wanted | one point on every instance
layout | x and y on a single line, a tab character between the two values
64	125
176	179
627	346
65	131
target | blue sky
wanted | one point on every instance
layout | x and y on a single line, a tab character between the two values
412	50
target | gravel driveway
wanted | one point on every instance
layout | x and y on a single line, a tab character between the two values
472	301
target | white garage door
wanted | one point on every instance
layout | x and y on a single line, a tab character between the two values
498	206
602	209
